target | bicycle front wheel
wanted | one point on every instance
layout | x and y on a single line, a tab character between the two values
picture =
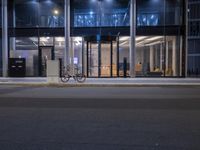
80	78
65	78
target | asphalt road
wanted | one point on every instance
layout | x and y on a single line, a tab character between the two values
99	118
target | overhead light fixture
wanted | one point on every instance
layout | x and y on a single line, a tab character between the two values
43	39
139	38
56	12
78	39
60	39
124	38
91	12
154	38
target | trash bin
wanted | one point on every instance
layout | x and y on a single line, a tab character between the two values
17	67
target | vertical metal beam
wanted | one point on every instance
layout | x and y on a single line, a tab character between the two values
185	39
71	54
161	57
67	33
151	58
132	38
5	37
83	56
87	59
117	56
111	58
99	62
166	55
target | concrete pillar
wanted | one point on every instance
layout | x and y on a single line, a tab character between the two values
151	59
174	57
132	38
67	33
5	38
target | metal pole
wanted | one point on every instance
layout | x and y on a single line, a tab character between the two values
132	38
5	38
67	33
185	40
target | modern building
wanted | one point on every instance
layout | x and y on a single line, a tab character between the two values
194	38
105	38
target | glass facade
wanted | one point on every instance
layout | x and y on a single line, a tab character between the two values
95	13
37	13
158	56
194	38
159	13
99	36
78	52
27	48
124	59
36	51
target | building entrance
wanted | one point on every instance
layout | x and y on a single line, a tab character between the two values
101	57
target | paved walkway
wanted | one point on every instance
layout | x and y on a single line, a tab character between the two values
107	81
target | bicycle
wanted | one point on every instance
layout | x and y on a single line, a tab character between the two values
72	72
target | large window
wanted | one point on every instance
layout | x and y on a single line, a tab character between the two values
26	47
37	13
59	48
104	13
78	52
158	56
159	12
34	49
124	59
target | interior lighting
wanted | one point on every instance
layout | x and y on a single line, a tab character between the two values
60	39
91	12
56	12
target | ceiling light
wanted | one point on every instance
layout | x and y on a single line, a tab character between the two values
56	12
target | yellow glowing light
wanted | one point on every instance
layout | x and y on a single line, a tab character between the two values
56	12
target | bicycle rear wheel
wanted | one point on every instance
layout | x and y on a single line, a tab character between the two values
80	78
65	78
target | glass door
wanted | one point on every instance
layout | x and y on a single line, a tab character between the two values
93	59
102	59
45	53
105	59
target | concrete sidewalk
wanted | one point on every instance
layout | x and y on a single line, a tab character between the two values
108	81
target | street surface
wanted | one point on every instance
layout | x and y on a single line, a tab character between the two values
99	118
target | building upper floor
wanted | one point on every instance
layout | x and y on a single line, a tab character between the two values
194	19
93	13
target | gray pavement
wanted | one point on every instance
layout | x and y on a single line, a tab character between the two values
99	118
106	81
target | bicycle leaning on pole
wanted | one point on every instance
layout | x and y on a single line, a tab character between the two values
72	71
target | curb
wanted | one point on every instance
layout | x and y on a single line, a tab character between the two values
98	84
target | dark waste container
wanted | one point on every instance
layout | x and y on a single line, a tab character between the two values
17	67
